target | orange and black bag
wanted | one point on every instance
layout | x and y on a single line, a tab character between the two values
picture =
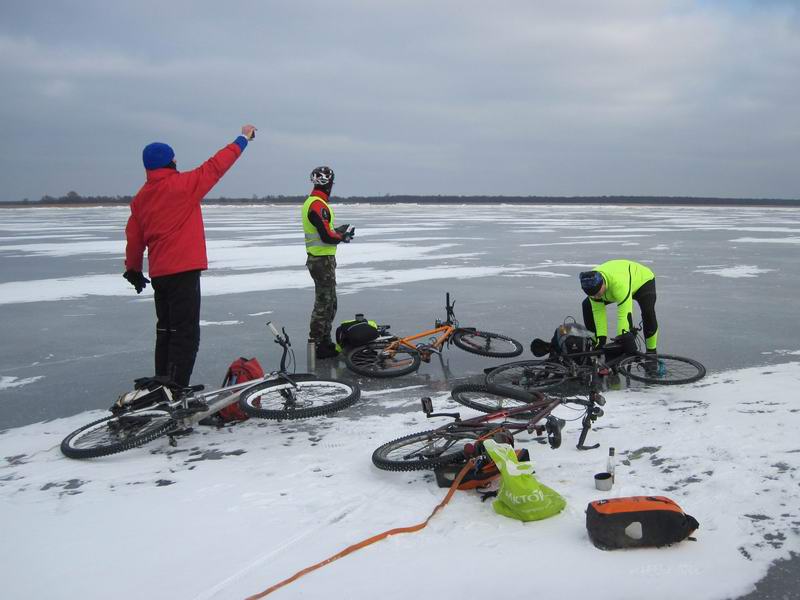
637	522
476	478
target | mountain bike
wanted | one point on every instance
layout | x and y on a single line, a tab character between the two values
461	439
159	407
621	358
390	356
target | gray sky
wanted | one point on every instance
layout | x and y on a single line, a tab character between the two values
656	97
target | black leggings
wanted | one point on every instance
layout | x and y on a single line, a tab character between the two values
645	296
178	328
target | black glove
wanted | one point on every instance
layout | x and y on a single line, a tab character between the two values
342	229
136	279
348	235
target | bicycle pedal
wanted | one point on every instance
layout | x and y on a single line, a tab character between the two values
181	432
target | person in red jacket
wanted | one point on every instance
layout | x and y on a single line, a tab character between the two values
167	221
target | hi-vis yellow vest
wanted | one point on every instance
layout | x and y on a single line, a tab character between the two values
314	244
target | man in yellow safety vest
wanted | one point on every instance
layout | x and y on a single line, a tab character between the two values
322	239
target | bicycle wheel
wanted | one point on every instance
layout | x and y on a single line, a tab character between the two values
670	370
117	434
426	450
486	343
374	360
520	378
311	398
480	398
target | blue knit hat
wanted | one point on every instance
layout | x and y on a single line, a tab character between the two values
157	155
591	282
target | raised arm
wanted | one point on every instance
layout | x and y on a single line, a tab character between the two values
203	178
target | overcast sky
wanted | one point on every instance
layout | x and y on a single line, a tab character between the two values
586	97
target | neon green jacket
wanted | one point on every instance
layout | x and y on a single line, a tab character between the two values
623	279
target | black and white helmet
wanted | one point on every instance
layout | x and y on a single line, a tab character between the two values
322	176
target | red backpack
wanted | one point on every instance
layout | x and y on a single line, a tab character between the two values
241	370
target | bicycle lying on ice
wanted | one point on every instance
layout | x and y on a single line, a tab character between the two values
461	439
160	407
621	358
390	356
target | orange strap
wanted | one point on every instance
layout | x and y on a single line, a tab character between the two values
371	540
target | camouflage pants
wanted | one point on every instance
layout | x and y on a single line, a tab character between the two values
323	272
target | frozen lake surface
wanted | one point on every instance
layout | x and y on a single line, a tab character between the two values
75	335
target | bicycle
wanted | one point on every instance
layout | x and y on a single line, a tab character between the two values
160	407
390	356
461	439
620	357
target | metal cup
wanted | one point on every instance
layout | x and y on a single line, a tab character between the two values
603	481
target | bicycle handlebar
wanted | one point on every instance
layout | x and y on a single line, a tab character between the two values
275	332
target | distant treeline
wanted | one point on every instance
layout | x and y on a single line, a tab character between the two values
75	199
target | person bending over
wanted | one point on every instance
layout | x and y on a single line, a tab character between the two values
620	282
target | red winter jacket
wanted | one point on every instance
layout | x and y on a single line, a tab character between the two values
167	220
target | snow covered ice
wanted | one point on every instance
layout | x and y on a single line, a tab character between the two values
229	512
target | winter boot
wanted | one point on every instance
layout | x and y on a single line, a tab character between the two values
651	365
326	349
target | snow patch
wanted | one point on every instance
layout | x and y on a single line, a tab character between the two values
735	272
7	383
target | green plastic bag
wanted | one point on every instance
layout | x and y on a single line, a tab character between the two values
521	496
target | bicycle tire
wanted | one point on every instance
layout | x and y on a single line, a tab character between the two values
482	342
672	370
311	398
370	360
480	398
519	379
111	435
409	453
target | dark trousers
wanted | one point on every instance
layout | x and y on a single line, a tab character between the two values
178	327
645	296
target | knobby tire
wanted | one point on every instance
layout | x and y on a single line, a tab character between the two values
280	400
486	343
371	360
111	435
671	370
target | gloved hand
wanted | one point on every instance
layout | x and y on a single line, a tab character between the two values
249	132
136	279
343	231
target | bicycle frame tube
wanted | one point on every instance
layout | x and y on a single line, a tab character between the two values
442	334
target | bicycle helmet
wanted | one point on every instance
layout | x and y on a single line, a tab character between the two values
591	282
322	176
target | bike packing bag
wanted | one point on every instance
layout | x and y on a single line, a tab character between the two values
521	496
573	338
637	522
147	391
475	478
241	370
357	332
